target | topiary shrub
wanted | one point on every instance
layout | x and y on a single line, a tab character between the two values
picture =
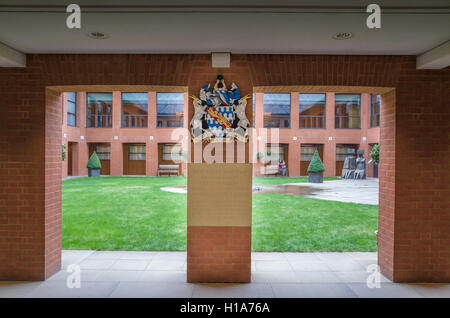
316	164
375	154
94	162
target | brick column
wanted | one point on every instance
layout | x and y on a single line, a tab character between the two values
259	124
219	232
64	139
329	151
152	158
365	114
82	151
116	158
294	145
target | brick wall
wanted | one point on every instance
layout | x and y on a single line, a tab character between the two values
219	254
414	211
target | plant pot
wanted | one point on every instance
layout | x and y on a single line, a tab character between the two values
93	172
315	177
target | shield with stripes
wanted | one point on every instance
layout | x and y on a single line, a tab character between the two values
219	119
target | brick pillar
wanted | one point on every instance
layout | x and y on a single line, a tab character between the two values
152	158
387	178
365	117
294	145
219	232
82	150
116	158
329	160
259	124
64	139
329	151
30	188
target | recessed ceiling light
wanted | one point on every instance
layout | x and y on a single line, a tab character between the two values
343	35
98	35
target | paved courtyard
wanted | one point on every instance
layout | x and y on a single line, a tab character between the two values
355	191
163	274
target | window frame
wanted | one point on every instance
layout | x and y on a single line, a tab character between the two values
324	116
290	111
336	116
122	114
182	116
135	153
377	115
87	105
70	113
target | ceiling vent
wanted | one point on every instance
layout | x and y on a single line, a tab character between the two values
98	35
343	36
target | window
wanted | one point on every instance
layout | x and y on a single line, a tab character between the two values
348	110
99	110
170	110
307	152
136	152
71	109
134	110
274	152
103	151
312	110
375	110
277	110
343	151
171	152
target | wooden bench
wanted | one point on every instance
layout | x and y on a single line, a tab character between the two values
168	169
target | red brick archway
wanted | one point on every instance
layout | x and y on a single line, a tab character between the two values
414	214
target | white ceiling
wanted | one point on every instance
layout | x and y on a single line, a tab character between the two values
263	26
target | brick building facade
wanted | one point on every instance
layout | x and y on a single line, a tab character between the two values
112	138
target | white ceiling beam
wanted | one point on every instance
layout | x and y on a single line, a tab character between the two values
436	58
11	58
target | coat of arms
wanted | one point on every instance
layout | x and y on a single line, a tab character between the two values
220	114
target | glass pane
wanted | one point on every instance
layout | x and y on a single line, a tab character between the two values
348	110
342	152
71	107
307	153
277	110
134	110
137	149
136	156
375	110
171	152
274	153
170	109
99	110
103	148
72	97
71	120
312	110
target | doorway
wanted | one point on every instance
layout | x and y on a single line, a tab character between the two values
134	159
103	151
170	154
343	151
69	158
306	154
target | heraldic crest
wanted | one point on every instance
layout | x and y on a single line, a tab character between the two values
219	114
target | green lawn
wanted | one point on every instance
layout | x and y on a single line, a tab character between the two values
132	213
